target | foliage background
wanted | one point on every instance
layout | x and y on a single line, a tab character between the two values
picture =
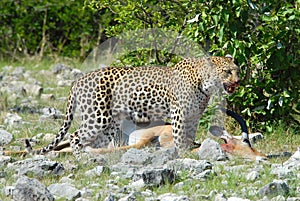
263	36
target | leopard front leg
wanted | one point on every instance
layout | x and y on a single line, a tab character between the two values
183	131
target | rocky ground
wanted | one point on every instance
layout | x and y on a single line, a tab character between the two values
146	174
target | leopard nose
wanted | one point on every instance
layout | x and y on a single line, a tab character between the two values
237	82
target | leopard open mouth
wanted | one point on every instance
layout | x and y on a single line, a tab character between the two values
230	88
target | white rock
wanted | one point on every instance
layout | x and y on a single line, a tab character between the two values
139	184
211	150
252	176
5	137
237	199
47	97
172	197
97	171
64	190
13	120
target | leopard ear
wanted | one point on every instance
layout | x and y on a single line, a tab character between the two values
229	57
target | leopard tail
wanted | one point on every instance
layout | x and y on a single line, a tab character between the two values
70	111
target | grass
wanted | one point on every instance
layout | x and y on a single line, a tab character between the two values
283	138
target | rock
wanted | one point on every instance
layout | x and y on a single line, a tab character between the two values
137	185
33	89
18	72
237	199
111	197
5	137
82	199
13	120
99	160
278	198
252	176
147	193
172	197
64	190
37	166
203	175
190	165
48	137
50	113
75	74
211	150
157	177
293	199
12	87
4	160
65	83
47	97
8	191
131	197
31	189
162	156
289	167
294	160
60	68
97	171
220	197
136	156
275	188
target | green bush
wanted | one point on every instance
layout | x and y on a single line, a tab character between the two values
45	27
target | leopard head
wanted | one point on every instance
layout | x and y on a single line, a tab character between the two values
228	72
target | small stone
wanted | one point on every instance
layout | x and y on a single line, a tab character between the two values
33	89
82	199
147	193
179	185
37	166
48	137
65	83
162	156
211	150
59	68
50	113
111	198
13	120
293	199
252	176
132	196
157	177
18	72
172	197
190	165
237	199
97	171
9	190
4	160
278	198
220	197
5	137
203	175
47	97
31	189
75	74
275	188
137	185
66	180
136	156
64	190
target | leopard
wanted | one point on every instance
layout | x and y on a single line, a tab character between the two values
144	94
